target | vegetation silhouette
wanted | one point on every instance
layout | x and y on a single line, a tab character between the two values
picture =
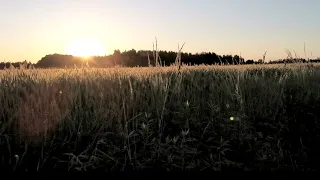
133	58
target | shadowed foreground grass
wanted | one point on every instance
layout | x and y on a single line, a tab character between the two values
204	118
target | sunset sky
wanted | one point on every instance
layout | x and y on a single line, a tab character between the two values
31	29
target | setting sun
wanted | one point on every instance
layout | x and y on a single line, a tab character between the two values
85	48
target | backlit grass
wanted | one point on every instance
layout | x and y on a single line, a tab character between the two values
246	117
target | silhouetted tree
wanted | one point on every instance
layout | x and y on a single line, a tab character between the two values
116	57
250	61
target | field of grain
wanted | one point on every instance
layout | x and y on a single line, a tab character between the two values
245	117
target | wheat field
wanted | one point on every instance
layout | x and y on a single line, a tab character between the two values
245	117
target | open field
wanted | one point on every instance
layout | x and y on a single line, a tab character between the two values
245	117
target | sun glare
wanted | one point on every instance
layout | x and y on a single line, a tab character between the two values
85	48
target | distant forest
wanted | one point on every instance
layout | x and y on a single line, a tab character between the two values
133	58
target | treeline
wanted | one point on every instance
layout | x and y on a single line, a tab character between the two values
21	65
295	60
133	58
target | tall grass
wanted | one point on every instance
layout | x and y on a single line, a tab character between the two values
248	117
